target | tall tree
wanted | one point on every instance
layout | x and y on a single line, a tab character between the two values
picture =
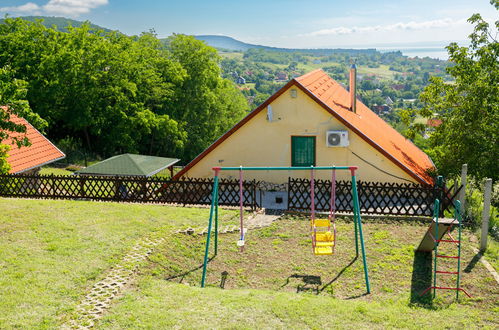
468	107
13	101
112	93
208	104
97	86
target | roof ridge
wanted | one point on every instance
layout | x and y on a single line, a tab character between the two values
309	74
133	161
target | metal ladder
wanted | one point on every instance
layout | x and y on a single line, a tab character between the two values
437	255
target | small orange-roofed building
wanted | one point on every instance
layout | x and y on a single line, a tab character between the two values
313	120
28	160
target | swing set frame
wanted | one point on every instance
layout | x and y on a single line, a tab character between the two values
359	237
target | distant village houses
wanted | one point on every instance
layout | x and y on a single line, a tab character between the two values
282	76
240	80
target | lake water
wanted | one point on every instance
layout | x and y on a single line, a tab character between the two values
433	52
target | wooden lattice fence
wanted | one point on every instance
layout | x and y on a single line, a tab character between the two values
374	197
126	189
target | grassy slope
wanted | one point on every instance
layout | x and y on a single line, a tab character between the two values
277	263
383	71
492	253
160	304
232	55
54	171
51	251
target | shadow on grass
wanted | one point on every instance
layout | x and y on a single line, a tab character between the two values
473	262
310	283
184	274
313	283
338	275
421	279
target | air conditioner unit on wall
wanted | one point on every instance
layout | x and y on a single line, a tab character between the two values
337	139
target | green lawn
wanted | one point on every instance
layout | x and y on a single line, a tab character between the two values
383	71
52	251
278	283
158	304
231	55
47	170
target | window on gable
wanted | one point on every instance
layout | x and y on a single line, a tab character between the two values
303	151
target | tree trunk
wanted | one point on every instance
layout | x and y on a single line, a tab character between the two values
87	139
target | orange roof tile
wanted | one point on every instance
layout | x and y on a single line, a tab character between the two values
336	100
368	125
41	151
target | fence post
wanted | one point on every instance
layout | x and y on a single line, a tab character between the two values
485	214
462	193
82	187
255	204
289	193
117	189
144	189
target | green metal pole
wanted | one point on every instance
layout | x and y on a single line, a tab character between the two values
356	208
216	223
355	205
457	212
207	248
436	212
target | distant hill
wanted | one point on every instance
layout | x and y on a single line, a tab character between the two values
219	42
228	43
60	22
231	44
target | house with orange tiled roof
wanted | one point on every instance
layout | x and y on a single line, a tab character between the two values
313	120
30	159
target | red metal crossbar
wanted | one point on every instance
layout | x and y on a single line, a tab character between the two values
445	272
444	288
442	256
453	239
448	241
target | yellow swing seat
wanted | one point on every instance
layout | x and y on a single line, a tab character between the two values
324	243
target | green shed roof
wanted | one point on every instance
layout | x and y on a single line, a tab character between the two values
129	164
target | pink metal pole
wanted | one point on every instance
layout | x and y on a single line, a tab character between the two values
241	202
312	192
241	205
333	206
312	206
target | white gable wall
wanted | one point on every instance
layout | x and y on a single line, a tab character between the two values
262	143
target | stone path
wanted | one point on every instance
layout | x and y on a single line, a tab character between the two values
97	301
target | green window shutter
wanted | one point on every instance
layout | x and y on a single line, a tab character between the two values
303	150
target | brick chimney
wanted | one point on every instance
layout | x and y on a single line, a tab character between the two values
353	88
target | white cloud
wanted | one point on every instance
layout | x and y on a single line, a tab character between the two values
342	30
72	7
29	7
57	7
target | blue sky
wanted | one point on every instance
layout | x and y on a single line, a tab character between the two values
282	23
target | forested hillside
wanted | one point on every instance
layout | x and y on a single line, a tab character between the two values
107	93
60	23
